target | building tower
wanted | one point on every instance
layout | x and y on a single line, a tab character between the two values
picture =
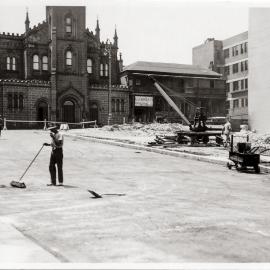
98	31
115	38
27	22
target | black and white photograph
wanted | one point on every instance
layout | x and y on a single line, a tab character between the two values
134	134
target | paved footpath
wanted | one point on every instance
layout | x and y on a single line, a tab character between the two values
155	208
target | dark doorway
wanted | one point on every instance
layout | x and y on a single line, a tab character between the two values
69	112
93	112
143	114
42	111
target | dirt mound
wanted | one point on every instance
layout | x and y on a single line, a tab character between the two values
149	129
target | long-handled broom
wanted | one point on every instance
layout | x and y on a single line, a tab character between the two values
19	184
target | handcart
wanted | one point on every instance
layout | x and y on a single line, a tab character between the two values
244	157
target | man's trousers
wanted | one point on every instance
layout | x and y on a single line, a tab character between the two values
56	159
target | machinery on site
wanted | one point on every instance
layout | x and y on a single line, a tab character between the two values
243	156
198	131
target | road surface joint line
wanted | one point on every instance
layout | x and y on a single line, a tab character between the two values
56	254
33	242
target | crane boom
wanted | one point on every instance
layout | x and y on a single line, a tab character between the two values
169	100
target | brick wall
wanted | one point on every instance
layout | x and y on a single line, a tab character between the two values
31	92
100	96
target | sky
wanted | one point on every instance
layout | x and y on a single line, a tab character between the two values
148	30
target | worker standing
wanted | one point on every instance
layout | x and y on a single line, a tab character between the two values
56	156
226	130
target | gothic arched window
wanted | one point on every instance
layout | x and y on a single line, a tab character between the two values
68	25
89	66
45	62
69	58
101	70
35	62
8	63
13	63
106	70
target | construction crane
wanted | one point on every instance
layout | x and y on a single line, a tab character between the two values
198	132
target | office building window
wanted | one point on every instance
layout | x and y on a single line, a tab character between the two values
89	66
228	87
227	70
235	85
35	62
69	58
246	101
235	68
246	83
236	103
234	50
227	53
246	65
242	84
242	48
245	47
242	102
45	62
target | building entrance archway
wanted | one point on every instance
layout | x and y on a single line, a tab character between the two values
42	111
69	111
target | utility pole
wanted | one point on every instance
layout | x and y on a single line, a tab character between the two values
108	48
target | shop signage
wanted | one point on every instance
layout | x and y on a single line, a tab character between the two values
143	101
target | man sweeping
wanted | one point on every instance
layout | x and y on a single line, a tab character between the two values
56	156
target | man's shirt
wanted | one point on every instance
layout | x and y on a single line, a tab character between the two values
57	141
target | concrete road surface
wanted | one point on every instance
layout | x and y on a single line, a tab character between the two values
155	208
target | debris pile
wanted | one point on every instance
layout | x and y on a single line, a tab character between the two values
164	140
147	129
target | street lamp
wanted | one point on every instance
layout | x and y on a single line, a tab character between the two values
108	50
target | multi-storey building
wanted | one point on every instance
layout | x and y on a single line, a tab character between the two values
230	58
59	70
189	86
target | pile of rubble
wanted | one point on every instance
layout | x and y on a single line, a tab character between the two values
260	140
147	129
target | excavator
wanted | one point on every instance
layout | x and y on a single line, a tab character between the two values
198	131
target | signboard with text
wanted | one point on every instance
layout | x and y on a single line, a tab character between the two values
143	101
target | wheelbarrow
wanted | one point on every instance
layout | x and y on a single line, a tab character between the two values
244	157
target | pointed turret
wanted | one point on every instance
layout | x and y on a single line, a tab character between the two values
98	30
27	22
115	38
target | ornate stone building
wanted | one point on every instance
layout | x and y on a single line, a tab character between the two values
59	70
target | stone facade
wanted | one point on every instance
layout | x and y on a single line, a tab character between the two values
63	65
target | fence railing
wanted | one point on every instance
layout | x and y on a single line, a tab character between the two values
13	124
